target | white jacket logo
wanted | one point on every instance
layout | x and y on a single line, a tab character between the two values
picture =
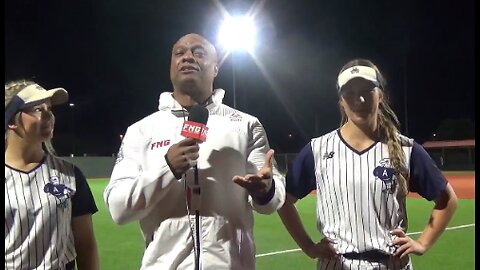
159	144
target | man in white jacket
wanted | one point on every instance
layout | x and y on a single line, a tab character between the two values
153	176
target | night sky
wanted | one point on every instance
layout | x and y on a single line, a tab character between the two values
113	57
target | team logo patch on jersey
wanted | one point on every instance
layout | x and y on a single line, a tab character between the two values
387	175
235	117
328	155
61	192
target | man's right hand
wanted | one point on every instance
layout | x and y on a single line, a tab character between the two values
182	156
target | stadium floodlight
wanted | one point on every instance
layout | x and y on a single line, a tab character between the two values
237	33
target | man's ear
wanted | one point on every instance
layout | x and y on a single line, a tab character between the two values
12	126
215	71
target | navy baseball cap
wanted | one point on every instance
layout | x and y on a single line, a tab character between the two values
33	95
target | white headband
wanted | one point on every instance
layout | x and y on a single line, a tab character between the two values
367	73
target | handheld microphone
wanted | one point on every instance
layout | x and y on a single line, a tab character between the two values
196	127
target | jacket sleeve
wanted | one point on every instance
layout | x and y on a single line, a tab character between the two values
257	148
133	189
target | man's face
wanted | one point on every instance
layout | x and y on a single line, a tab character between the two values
194	61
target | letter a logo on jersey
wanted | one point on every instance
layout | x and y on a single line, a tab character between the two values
385	173
61	192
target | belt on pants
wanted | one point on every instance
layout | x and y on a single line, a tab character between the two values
370	255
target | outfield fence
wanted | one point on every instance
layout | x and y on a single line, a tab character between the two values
447	157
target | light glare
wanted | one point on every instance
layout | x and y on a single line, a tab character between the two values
237	33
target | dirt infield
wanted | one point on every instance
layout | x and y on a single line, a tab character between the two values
463	184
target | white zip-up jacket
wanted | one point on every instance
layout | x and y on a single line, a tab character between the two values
142	187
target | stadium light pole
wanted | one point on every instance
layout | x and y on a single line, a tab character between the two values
71	106
405	81
237	34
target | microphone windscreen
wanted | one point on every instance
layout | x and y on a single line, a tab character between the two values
198	114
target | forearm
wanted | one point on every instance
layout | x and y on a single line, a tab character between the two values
276	201
131	198
290	218
85	243
441	215
88	259
257	150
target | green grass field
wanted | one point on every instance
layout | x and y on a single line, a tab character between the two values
121	247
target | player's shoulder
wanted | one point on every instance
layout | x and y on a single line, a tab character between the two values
61	160
61	164
405	141
325	137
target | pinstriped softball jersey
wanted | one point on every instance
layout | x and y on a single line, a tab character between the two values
39	206
358	198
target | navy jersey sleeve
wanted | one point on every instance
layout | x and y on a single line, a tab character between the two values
425	177
300	179
82	201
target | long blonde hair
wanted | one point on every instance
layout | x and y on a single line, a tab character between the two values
387	127
12	89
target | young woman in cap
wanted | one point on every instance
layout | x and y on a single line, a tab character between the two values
48	203
362	173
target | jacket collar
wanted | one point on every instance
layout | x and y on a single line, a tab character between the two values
167	102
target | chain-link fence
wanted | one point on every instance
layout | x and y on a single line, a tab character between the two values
453	159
